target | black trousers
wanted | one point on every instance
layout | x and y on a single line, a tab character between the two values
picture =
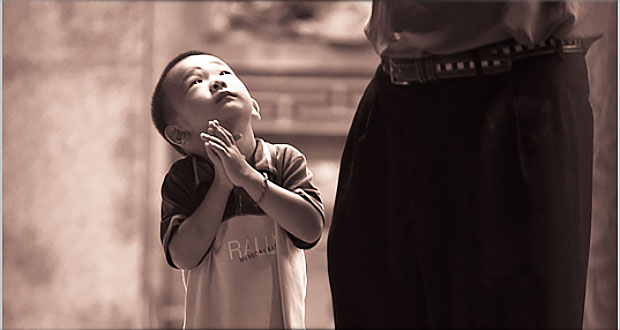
465	203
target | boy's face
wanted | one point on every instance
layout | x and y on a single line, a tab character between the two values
203	88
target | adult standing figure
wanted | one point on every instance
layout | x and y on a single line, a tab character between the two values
464	194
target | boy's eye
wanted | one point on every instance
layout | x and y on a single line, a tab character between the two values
225	72
197	81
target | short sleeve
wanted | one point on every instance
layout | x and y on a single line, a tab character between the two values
178	203
297	177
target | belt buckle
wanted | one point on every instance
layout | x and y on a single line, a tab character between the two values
570	47
393	73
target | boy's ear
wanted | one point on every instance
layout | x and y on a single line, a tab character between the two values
255	109
176	135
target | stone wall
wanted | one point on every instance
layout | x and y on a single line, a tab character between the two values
76	80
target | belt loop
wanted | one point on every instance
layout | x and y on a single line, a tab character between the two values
429	68
475	54
419	70
559	48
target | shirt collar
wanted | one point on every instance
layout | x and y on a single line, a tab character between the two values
262	160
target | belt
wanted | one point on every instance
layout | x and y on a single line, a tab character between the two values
486	60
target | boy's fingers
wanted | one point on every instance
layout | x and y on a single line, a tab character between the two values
219	149
211	129
214	154
220	131
224	129
205	136
213	157
226	136
213	139
208	146
208	150
225	133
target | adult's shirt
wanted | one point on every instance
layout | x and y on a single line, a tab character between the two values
420	28
253	275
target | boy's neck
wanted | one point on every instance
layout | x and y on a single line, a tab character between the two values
246	143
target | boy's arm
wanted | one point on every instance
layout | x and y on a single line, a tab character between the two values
288	209
195	234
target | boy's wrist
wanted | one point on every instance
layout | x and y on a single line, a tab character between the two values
253	184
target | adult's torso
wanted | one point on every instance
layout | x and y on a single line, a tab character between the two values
417	29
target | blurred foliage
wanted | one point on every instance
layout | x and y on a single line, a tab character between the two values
336	22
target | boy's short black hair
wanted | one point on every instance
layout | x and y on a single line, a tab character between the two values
161	108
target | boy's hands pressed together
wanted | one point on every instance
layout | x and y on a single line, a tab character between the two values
288	209
220	142
221	178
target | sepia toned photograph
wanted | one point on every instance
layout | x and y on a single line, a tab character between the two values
309	164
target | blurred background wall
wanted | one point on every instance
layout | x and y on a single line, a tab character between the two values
76	76
82	165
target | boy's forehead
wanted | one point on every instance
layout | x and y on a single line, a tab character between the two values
178	72
201	60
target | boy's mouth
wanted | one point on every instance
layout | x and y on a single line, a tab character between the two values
222	96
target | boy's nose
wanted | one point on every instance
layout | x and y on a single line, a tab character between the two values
216	85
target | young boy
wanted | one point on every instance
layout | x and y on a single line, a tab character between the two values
236	211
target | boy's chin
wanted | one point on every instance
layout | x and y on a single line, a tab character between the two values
231	123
